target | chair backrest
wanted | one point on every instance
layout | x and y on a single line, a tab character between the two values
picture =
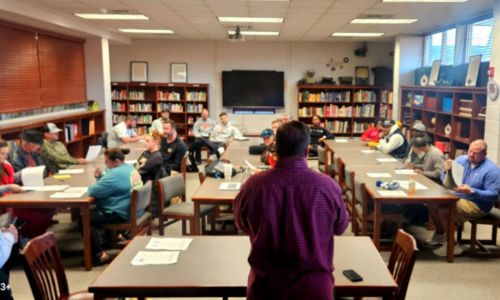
341	172
103	140
144	196
403	256
183	166
170	187
201	177
43	267
349	179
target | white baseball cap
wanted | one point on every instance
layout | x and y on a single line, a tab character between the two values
52	128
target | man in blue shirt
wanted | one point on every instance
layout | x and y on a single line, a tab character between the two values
478	191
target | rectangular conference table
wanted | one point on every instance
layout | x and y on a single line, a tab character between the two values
37	199
209	193
362	163
216	266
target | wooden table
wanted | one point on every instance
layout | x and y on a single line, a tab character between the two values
217	266
209	193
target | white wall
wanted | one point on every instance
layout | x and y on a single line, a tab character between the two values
206	60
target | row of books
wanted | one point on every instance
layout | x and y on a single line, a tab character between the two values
365	110
119	106
360	127
386	97
141	130
342	96
136	95
70	132
168	95
170	107
337	126
140	107
364	96
119	94
196	96
194	107
465	108
88	127
385	111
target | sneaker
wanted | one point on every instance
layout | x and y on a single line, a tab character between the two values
437	239
220	150
443	250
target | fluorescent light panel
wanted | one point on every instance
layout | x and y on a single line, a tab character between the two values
111	16
249	20
262	33
425	1
357	34
154	31
383	21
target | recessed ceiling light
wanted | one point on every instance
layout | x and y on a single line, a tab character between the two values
268	33
155	31
425	1
111	16
249	20
358	34
383	21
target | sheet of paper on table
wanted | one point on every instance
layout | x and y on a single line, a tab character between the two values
143	258
378	175
392	193
71	171
171	244
242	138
369	151
405	184
93	152
230	186
33	176
76	189
388	159
131	161
45	188
341	141
65	195
457	172
405	172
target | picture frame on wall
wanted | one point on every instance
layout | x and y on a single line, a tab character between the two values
362	75
178	72
433	77
473	70
139	71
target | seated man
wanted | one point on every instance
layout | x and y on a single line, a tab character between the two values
27	155
269	145
275	125
286	117
158	123
317	134
478	192
54	153
393	141
172	148
202	129
123	133
424	158
223	134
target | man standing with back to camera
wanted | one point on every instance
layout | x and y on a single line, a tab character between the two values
291	214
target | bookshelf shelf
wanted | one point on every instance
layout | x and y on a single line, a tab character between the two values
348	110
442	108
177	97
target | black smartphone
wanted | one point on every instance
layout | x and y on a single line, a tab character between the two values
352	275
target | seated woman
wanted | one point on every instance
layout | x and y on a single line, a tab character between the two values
7	184
317	134
372	133
112	193
150	163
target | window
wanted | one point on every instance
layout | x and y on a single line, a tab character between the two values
440	46
479	39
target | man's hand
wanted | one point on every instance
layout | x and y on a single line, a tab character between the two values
418	171
12	230
97	172
409	166
447	165
16	188
464	189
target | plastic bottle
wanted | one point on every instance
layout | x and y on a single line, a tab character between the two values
412	186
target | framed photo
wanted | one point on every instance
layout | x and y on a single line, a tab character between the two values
433	78
178	72
138	71
473	70
362	75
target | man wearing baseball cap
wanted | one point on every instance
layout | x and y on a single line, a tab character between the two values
267	136
54	152
393	142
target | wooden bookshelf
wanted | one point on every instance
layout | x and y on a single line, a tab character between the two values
347	110
386	100
86	126
147	100
463	110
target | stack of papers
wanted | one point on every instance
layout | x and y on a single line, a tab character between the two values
32	176
230	186
143	258
171	244
71	171
405	172
341	140
45	188
392	193
93	152
72	192
369	151
389	159
378	175
405	184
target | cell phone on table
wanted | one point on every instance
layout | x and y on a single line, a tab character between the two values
352	275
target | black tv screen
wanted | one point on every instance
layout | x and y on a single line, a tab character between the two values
253	88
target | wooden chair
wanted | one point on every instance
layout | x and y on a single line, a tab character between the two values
401	262
322	162
341	174
478	247
44	270
350	198
140	201
174	186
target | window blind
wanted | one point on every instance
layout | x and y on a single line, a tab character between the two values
479	40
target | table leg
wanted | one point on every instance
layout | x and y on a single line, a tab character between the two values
196	220
87	249
377	211
451	230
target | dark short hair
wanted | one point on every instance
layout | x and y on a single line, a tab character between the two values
292	139
116	153
171	122
32	136
131	118
223	114
420	141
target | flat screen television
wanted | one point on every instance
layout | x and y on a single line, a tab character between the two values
242	88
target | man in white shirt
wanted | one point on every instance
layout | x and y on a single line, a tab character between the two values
202	129
224	132
394	142
8	237
123	133
158	123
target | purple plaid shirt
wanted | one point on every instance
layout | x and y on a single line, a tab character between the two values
291	214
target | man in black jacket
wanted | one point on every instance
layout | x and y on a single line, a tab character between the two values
317	135
172	148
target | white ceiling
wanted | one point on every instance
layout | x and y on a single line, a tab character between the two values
305	20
